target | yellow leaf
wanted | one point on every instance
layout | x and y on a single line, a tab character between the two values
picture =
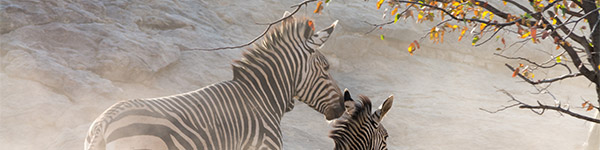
504	3
475	39
525	35
455	3
553	21
558	60
491	16
379	3
382	38
485	13
462	33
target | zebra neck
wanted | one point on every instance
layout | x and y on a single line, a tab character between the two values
266	97
271	80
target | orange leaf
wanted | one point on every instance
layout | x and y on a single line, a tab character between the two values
482	27
379	3
394	11
411	48
534	33
583	104
311	25
504	42
418	46
515	72
590	107
319	7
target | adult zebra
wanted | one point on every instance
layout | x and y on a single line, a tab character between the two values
242	113
358	128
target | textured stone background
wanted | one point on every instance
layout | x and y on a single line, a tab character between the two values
63	62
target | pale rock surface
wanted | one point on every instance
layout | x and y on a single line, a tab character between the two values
63	62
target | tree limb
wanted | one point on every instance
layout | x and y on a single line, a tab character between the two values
550	80
541	107
298	6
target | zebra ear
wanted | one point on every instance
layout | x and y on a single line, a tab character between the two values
349	103
385	107
347	96
318	39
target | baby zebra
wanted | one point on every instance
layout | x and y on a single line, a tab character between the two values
358	128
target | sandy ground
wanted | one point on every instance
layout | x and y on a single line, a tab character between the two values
64	62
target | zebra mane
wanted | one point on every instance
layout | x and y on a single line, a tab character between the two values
357	115
257	55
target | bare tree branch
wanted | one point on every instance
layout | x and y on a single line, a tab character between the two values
532	62
375	26
550	80
541	107
298	6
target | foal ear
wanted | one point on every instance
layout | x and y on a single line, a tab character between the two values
348	101
385	107
318	39
347	96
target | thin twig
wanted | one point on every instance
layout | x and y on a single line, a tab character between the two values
549	80
375	26
541	107
298	6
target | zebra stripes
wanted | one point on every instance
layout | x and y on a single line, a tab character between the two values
242	113
358	128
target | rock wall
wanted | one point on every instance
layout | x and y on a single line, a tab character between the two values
63	62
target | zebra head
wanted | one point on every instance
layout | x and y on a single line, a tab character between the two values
358	128
315	86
